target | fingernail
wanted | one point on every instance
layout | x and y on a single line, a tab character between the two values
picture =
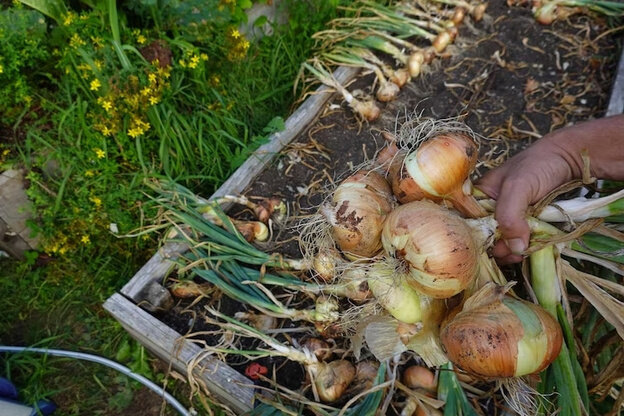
516	245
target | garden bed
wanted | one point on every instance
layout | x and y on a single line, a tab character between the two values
510	79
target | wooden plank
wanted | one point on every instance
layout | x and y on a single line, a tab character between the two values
159	265
228	386
616	102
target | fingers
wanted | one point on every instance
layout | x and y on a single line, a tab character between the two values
490	182
511	206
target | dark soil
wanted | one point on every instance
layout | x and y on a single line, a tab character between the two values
510	79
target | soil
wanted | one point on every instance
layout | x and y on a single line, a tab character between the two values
508	78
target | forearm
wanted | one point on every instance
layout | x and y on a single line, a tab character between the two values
602	139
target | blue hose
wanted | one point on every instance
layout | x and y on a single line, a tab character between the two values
109	363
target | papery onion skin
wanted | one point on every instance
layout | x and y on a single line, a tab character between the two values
360	206
435	245
508	338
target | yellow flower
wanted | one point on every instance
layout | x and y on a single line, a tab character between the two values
98	64
152	78
146	91
141	39
106	131
195	59
95	85
76	41
99	153
89	173
96	201
85	239
204	57
192	65
106	105
235	33
69	18
154	100
5	152
1	69
182	63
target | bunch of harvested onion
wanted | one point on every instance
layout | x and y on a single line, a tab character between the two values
402	254
374	27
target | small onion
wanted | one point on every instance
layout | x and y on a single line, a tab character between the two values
387	91
435	246
400	77
504	337
252	230
365	374
419	377
437	170
319	348
259	321
332	379
359	207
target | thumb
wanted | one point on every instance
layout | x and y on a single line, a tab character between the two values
511	206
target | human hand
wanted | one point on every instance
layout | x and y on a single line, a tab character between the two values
553	160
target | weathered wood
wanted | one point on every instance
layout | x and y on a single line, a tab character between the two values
15	211
160	264
227	385
156	269
616	101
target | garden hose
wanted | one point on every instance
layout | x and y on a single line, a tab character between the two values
109	363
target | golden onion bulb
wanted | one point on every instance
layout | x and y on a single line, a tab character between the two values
437	170
503	338
436	248
332	379
419	377
359	208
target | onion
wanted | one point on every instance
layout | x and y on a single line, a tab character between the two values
365	374
435	247
445	38
319	348
419	377
394	294
359	207
497	336
332	379
387	91
252	230
259	321
437	170
189	289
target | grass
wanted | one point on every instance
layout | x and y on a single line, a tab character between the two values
197	119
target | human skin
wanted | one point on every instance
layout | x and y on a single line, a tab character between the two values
551	161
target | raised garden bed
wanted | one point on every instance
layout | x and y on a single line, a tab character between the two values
511	80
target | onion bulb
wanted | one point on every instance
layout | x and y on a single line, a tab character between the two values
332	379
387	91
419	377
319	348
498	336
365	374
437	170
435	247
259	321
357	213
394	294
